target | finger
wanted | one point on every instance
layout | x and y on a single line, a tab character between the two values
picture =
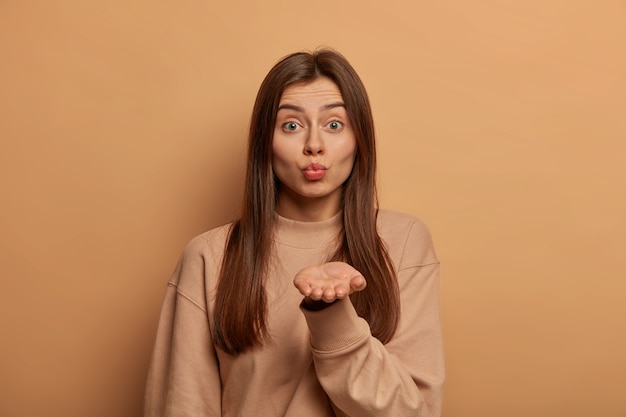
317	293
358	283
342	290
329	295
305	290
302	286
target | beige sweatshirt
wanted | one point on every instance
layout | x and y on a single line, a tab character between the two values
318	364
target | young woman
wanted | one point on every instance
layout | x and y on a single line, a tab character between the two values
314	303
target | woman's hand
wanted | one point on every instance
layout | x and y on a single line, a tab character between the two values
328	282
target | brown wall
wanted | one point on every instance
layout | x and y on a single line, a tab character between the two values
501	123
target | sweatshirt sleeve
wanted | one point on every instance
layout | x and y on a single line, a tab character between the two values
183	377
405	377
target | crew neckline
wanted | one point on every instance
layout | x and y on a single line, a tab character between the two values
301	234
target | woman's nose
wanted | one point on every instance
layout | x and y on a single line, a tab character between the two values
314	144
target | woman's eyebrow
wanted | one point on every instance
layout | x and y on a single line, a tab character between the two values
301	109
333	105
291	107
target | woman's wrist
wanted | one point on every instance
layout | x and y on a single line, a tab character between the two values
315	305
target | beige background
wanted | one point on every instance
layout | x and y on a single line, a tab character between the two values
501	123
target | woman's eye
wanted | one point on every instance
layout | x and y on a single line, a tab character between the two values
335	125
290	126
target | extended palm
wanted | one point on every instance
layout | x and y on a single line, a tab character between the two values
329	282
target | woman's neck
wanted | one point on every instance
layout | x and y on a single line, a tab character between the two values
308	209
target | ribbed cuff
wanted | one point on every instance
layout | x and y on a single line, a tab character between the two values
336	327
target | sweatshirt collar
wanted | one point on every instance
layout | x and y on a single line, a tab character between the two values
301	234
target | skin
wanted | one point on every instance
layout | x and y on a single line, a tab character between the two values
312	127
324	284
313	154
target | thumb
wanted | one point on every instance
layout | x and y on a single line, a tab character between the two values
357	282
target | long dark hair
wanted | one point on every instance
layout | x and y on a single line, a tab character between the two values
240	309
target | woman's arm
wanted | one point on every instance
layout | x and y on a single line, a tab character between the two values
405	377
183	378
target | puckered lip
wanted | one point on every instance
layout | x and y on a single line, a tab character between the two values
314	166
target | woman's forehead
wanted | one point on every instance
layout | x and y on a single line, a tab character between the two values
321	88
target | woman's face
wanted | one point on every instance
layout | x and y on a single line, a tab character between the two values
313	150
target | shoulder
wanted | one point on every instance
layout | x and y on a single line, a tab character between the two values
395	225
208	242
407	238
201	258
394	221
